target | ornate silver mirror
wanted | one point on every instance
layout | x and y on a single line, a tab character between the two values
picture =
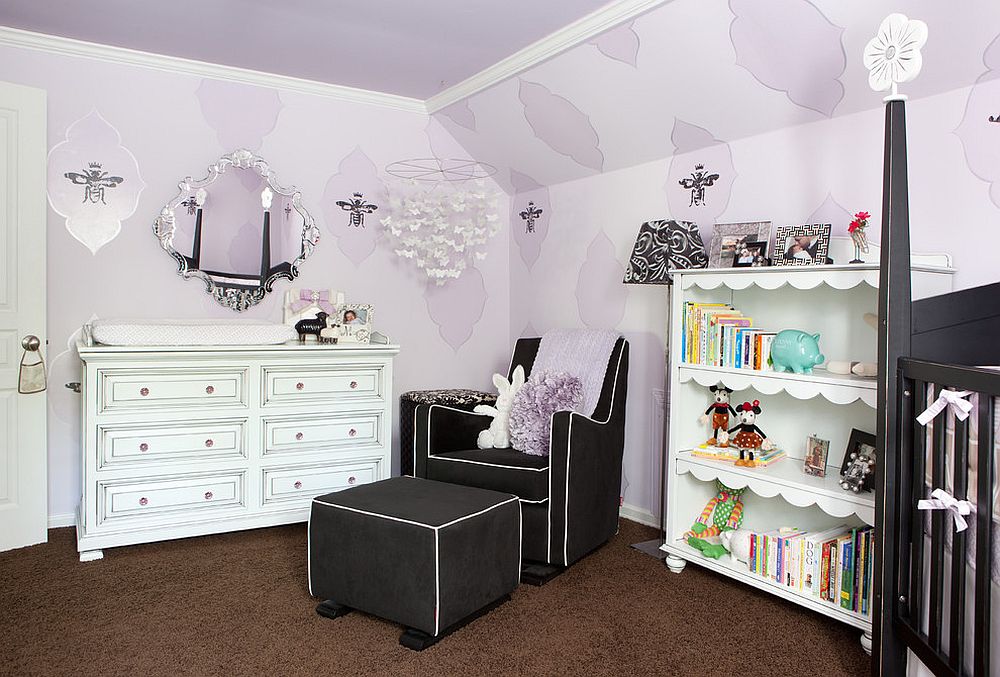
237	230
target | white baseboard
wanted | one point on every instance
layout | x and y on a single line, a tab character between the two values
640	515
65	520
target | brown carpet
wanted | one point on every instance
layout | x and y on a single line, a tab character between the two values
238	604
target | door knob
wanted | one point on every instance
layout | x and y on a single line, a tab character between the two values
31	343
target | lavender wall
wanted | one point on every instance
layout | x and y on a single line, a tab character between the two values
771	96
175	126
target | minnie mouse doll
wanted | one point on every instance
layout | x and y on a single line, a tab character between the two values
750	437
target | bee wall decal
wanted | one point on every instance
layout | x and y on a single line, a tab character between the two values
530	214
192	205
699	180
994	118
288	211
94	182
358	207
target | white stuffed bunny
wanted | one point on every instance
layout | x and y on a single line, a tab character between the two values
498	434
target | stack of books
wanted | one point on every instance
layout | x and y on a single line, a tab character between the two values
833	566
719	335
762	458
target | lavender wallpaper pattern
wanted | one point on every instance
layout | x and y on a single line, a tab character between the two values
790	46
560	125
258	112
620	43
834	213
980	136
93	181
355	174
600	304
457	307
697	146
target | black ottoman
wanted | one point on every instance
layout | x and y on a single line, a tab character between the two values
429	555
408	401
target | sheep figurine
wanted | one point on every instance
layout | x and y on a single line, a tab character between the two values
497	436
312	326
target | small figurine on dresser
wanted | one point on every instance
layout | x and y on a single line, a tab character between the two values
314	326
748	438
720	409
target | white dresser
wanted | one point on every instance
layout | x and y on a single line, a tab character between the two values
196	440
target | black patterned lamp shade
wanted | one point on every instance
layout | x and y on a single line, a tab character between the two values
662	245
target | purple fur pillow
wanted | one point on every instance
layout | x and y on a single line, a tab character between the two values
531	412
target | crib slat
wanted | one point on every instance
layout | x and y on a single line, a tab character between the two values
907	390
956	643
937	533
984	536
916	569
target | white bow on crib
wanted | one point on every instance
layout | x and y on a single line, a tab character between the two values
942	500
952	399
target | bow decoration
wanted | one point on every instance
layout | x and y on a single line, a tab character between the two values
942	500
951	399
308	297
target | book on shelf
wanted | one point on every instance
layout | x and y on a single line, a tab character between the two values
730	455
833	565
720	335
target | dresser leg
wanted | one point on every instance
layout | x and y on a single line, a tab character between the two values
91	555
675	564
866	643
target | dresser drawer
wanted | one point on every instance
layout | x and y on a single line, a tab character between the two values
133	389
330	431
165	498
138	445
341	383
309	481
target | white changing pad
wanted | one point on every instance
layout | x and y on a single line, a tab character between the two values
190	332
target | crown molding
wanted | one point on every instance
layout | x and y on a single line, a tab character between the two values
581	30
16	37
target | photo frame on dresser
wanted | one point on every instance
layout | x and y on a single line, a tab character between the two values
727	238
354	322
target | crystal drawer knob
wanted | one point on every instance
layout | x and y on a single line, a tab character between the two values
300	385
209	389
208	495
352	479
297	485
143	447
354	384
143	501
144	391
209	442
299	436
352	432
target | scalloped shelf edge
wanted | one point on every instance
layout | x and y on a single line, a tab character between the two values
845	393
801	498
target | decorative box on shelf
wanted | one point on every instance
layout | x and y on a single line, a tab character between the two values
829	301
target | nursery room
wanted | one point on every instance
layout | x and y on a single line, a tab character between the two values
480	338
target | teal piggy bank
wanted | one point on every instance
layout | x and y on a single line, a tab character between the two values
796	351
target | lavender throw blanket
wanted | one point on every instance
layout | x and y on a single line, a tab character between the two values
583	353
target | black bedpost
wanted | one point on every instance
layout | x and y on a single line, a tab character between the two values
196	246
888	655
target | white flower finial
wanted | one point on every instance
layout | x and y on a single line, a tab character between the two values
893	55
266	196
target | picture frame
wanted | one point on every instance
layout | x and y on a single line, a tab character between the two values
805	245
751	255
817	451
303	304
859	440
353	322
726	237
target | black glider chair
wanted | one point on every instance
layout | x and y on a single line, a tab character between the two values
569	499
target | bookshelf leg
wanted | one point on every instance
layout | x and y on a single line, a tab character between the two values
866	643
675	564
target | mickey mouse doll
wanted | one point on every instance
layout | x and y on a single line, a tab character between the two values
720	410
749	437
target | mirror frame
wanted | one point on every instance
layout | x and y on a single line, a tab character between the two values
235	298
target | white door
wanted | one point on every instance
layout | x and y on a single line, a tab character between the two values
23	448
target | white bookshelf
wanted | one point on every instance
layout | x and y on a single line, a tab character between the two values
831	301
